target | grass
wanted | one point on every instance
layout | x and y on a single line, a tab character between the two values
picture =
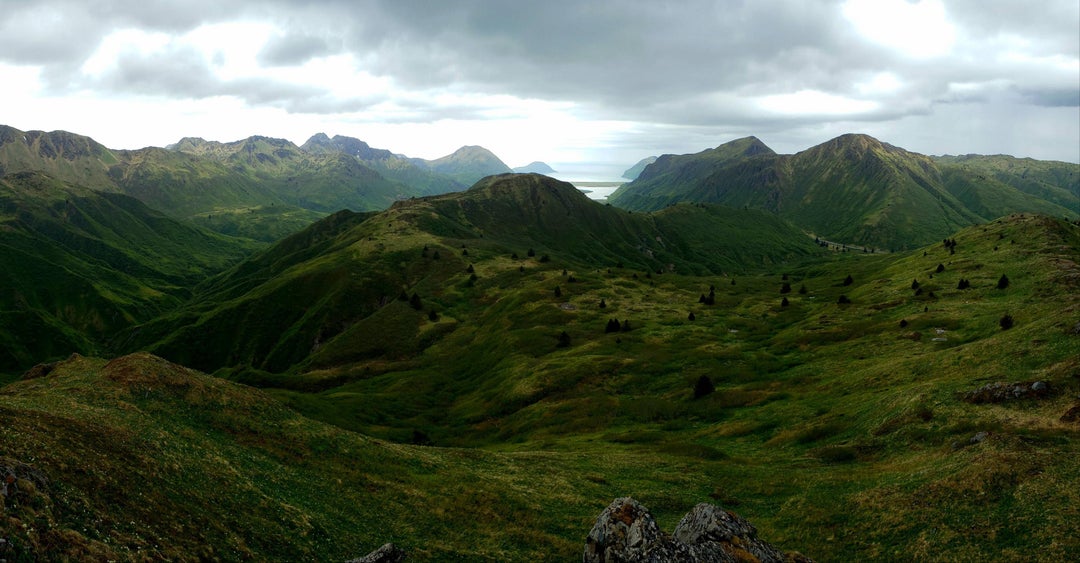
836	431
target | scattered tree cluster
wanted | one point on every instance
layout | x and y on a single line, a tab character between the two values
963	284
613	325
950	244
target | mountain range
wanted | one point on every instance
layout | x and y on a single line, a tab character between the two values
858	190
476	373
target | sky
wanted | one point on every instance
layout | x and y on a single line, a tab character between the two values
580	84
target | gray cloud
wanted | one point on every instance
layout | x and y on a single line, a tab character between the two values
671	66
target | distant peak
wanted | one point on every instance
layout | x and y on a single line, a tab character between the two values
318	138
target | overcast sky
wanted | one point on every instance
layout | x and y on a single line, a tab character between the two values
567	82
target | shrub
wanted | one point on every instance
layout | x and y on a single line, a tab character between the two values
470	269
558	291
786	288
903	323
691	316
843	300
603	304
531	253
415	303
940	268
915	284
432	315
848	280
704	386
1006	322
784	302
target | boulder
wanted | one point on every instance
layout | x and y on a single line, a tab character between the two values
388	553
626	532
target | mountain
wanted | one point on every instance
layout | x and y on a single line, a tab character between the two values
310	297
394	167
79	265
835	426
535	167
634	171
468	164
260	188
853	189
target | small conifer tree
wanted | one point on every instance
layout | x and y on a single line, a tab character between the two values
558	291
603	304
1006	322
531	253
691	316
848	280
564	340
704	386
915	284
784	302
786	288
1003	281
415	303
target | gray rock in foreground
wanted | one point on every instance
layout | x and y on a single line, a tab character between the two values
388	553
626	532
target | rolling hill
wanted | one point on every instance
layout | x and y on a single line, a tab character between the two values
79	265
846	431
853	189
326	283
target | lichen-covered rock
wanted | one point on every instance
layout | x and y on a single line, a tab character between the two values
388	553
709	528
1000	392
625	532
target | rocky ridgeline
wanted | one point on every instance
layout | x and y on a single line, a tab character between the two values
626	532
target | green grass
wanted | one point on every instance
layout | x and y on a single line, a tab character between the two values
836	431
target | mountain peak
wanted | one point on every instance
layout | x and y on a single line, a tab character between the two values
535	166
469	164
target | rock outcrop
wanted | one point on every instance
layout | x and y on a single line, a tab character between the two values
626	532
1000	392
388	553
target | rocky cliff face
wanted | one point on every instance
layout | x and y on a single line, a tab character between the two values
626	532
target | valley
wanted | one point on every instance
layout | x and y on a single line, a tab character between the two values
475	373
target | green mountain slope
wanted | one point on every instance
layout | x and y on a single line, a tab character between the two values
80	265
853	189
1056	182
841	430
394	167
468	164
634	171
288	303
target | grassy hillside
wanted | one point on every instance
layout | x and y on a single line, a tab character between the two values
284	306
853	189
79	265
840	430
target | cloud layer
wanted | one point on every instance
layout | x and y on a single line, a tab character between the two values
642	76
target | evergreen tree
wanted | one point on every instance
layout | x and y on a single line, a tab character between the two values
470	269
704	386
843	300
1003	281
564	340
432	315
612	326
786	288
558	291
940	268
915	284
848	280
784	302
1006	322
691	316
603	303
531	253
415	303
